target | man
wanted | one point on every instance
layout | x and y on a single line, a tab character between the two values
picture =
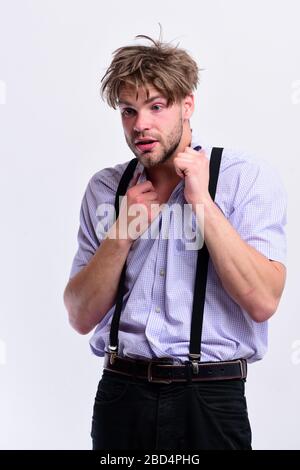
177	323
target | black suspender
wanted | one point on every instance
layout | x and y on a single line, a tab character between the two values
202	267
201	270
124	182
114	329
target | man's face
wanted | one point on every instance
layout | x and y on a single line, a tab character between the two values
146	120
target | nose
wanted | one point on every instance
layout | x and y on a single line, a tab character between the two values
141	123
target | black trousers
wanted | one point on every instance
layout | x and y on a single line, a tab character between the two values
136	415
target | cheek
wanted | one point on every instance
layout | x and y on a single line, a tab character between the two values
127	130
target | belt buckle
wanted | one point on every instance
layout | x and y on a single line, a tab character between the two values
149	373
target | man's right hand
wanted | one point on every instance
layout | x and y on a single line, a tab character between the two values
139	207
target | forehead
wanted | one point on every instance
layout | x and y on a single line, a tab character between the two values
129	94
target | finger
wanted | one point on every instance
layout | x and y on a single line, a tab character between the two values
180	172
150	196
179	166
146	186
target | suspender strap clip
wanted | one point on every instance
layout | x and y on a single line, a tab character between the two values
195	359
113	352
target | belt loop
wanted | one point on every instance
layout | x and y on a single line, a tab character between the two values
188	371
243	366
135	369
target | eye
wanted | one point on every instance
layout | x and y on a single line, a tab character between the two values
127	112
157	107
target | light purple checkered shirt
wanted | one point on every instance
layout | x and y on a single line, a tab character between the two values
157	305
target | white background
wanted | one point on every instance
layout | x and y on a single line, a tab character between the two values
56	133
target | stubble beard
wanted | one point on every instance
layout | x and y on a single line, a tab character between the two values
149	159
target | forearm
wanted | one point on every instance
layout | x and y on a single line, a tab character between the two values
247	275
92	292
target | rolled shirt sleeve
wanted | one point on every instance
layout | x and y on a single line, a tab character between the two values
87	239
260	210
97	214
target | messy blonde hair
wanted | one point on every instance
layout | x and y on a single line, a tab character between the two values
171	70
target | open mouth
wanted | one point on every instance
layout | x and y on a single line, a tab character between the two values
145	145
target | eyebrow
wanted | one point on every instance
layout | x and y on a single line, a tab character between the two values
149	100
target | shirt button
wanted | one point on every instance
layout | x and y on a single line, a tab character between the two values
157	309
162	272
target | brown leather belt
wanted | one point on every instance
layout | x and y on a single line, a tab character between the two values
163	371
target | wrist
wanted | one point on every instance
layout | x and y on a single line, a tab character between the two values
205	203
118	234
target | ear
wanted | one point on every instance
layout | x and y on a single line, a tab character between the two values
188	106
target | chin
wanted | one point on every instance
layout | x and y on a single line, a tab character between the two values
149	160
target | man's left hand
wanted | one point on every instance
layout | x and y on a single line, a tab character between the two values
193	166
